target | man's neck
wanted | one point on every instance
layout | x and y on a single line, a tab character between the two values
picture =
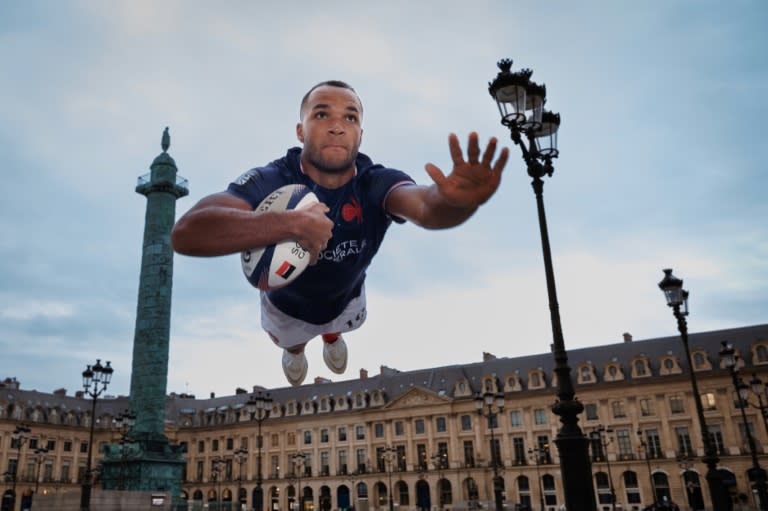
330	180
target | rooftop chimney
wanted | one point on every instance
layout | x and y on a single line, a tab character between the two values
627	337
363	374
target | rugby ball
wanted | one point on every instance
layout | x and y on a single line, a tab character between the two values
276	266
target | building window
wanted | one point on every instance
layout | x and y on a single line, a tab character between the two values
418	426
67	445
540	416
421	457
631	486
440	425
625	444
307	437
324	466
586	374
591	411
684	446
699	360
708	401
761	353
83	447
291	438
469	453
215	445
360	460
200	446
716	438
640	368
324	436
646	407
618	409
518	450
535	380
378	430
275	467
343	469
360	432
515	418
653	441
466	422
399	429
669	364
342	433
676	404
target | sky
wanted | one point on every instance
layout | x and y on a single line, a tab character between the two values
662	105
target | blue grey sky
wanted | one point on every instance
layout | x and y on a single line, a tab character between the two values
663	106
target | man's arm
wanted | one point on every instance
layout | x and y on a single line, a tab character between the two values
452	199
223	224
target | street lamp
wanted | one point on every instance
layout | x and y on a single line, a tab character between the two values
40	453
489	405
537	455
599	435
677	299
259	406
124	422
95	381
759	389
241	455
20	436
439	461
756	473
298	463
389	454
534	130
647	453
217	469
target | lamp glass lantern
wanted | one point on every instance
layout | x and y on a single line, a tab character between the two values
672	288
509	90
546	134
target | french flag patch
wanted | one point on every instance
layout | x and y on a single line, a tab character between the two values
285	270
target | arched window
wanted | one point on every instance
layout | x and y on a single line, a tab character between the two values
699	360
550	493
631	487
402	493
761	353
661	483
603	488
640	368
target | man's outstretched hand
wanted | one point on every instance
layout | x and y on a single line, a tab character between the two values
471	182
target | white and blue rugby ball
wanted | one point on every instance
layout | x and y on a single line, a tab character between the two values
276	266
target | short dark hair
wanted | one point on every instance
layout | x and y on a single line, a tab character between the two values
330	83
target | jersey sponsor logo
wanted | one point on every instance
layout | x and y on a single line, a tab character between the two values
285	270
352	211
343	250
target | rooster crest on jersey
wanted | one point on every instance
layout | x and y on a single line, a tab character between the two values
276	266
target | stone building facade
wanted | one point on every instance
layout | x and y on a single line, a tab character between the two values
417	437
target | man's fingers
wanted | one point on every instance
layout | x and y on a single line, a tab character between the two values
502	161
490	150
455	149
473	148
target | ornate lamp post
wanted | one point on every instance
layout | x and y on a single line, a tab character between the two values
389	454
259	406
20	436
440	462
537	455
677	299
756	473
760	390
534	130
489	405
124	422
298	462
647	452
95	381
217	469
241	455
599	435
40	453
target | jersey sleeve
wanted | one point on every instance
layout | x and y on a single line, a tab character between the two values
380	183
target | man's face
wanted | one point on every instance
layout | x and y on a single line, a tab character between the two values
330	129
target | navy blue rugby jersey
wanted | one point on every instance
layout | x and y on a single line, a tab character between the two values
322	292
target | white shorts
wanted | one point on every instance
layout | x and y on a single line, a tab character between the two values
287	331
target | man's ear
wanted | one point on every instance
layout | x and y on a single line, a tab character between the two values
300	132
